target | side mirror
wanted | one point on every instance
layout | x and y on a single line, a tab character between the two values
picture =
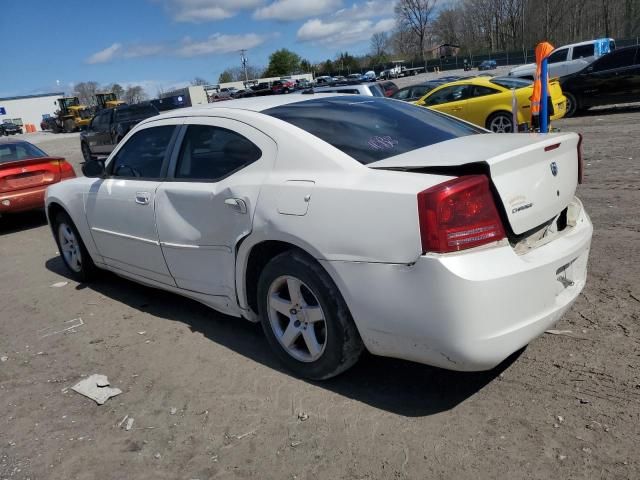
93	169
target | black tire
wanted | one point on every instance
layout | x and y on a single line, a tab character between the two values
573	107
503	118
87	270
342	344
86	152
69	125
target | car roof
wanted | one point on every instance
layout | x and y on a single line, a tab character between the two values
586	42
14	142
253	104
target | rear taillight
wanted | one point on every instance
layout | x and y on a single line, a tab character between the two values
580	160
458	214
66	170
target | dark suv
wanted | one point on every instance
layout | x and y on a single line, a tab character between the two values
8	128
109	126
612	78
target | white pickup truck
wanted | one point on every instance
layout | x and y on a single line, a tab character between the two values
568	59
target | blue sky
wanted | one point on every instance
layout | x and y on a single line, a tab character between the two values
166	43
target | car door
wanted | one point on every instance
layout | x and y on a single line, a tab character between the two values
104	134
610	78
449	99
481	101
557	63
120	208
207	204
90	135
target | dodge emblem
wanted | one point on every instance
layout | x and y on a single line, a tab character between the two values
554	168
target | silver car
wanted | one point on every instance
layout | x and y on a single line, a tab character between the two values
368	89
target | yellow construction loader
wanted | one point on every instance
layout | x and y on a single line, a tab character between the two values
70	116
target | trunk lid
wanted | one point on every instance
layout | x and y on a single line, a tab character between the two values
534	175
29	173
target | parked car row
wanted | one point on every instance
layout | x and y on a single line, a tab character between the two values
488	101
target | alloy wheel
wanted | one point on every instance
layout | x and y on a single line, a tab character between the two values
297	319
501	124
69	247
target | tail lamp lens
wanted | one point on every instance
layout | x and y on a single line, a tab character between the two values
458	214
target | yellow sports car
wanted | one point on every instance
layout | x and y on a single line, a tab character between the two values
487	101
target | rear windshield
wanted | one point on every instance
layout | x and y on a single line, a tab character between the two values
509	82
12	152
372	129
135	111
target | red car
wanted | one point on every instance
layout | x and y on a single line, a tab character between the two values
25	173
283	86
389	88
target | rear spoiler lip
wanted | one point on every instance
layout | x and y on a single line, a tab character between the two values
30	161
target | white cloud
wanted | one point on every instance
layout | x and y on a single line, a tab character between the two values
197	11
342	32
219	43
287	10
364	10
105	55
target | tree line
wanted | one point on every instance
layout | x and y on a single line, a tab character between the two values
427	29
86	91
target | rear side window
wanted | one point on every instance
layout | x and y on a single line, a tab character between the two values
211	153
481	91
143	154
583	51
371	129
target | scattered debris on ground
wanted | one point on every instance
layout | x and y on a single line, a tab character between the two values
96	387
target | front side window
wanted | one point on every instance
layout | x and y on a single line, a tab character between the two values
448	94
558	56
143	154
211	153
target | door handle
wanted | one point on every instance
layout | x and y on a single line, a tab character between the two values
142	198
456	109
237	204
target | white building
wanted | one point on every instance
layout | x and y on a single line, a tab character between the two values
28	108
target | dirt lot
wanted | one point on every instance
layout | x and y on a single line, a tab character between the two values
567	407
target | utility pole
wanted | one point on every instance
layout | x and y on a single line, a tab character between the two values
243	61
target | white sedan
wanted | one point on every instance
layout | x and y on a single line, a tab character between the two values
340	223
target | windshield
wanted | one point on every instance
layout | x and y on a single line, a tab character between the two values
134	112
510	82
371	129
12	152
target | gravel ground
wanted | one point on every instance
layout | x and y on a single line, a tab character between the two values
209	400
